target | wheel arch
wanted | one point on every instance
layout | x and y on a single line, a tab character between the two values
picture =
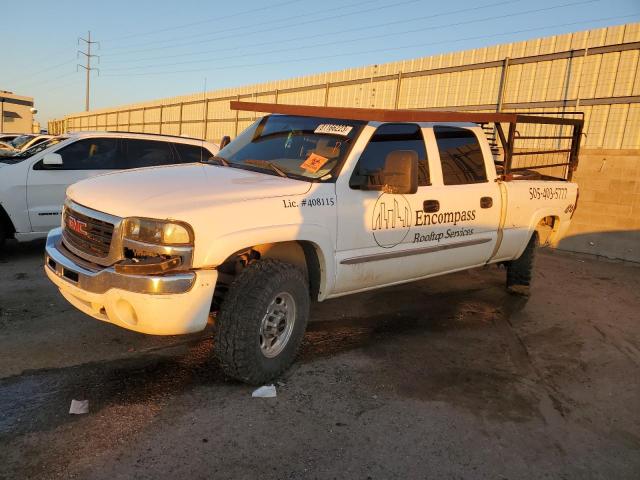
310	249
549	225
5	220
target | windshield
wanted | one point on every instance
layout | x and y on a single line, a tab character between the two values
39	147
298	147
20	156
18	142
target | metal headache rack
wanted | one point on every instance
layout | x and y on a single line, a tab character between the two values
534	145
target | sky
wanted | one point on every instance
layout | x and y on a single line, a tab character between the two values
154	49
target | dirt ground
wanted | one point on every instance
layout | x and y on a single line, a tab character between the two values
445	378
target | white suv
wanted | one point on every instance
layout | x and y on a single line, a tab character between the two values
33	182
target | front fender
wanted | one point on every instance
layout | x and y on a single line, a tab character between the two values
226	245
13	196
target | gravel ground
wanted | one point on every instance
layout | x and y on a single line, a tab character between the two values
445	378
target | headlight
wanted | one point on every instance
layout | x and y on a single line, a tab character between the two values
158	232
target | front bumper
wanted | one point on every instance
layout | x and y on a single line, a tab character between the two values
155	304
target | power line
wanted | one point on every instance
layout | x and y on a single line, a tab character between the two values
47	69
88	66
324	34
362	52
359	39
58	86
200	22
249	26
49	80
70	61
262	23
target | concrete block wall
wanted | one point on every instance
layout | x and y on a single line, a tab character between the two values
607	221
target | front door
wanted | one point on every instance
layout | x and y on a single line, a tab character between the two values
47	184
374	228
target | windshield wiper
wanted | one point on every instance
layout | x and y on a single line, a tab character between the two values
275	168
222	161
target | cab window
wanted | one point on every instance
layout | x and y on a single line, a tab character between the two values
148	153
388	138
460	155
88	154
192	153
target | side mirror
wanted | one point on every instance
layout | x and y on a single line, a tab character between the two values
52	160
400	174
226	140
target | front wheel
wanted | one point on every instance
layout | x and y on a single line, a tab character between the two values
262	321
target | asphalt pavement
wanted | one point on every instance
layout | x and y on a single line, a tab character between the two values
450	377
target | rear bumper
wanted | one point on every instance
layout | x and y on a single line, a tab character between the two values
154	304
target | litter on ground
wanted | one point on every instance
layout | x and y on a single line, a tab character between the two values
79	407
266	391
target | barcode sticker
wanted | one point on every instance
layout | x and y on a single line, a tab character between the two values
333	129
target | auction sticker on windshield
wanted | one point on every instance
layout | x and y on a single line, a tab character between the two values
314	162
333	129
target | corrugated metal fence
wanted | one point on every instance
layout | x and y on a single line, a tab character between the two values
593	71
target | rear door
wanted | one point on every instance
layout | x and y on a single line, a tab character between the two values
148	153
461	209
47	184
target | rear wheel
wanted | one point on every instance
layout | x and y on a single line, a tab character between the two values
262	321
520	271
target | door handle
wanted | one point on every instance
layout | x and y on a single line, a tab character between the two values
431	206
486	202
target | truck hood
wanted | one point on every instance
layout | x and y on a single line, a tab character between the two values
166	192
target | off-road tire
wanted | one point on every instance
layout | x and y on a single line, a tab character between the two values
238	323
519	272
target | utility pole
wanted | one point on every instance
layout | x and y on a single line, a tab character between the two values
88	66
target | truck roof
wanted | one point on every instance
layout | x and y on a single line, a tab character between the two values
141	135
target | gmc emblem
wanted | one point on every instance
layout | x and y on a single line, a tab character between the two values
77	226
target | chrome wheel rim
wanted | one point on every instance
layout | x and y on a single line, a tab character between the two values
277	324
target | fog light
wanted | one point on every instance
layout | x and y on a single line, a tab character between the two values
126	313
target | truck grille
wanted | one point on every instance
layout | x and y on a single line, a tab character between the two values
87	234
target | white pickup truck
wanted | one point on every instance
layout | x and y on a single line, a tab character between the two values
33	182
309	203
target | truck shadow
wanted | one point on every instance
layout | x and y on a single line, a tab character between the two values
13	251
39	400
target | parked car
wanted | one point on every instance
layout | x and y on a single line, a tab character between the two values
302	206
33	182
7	137
22	143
